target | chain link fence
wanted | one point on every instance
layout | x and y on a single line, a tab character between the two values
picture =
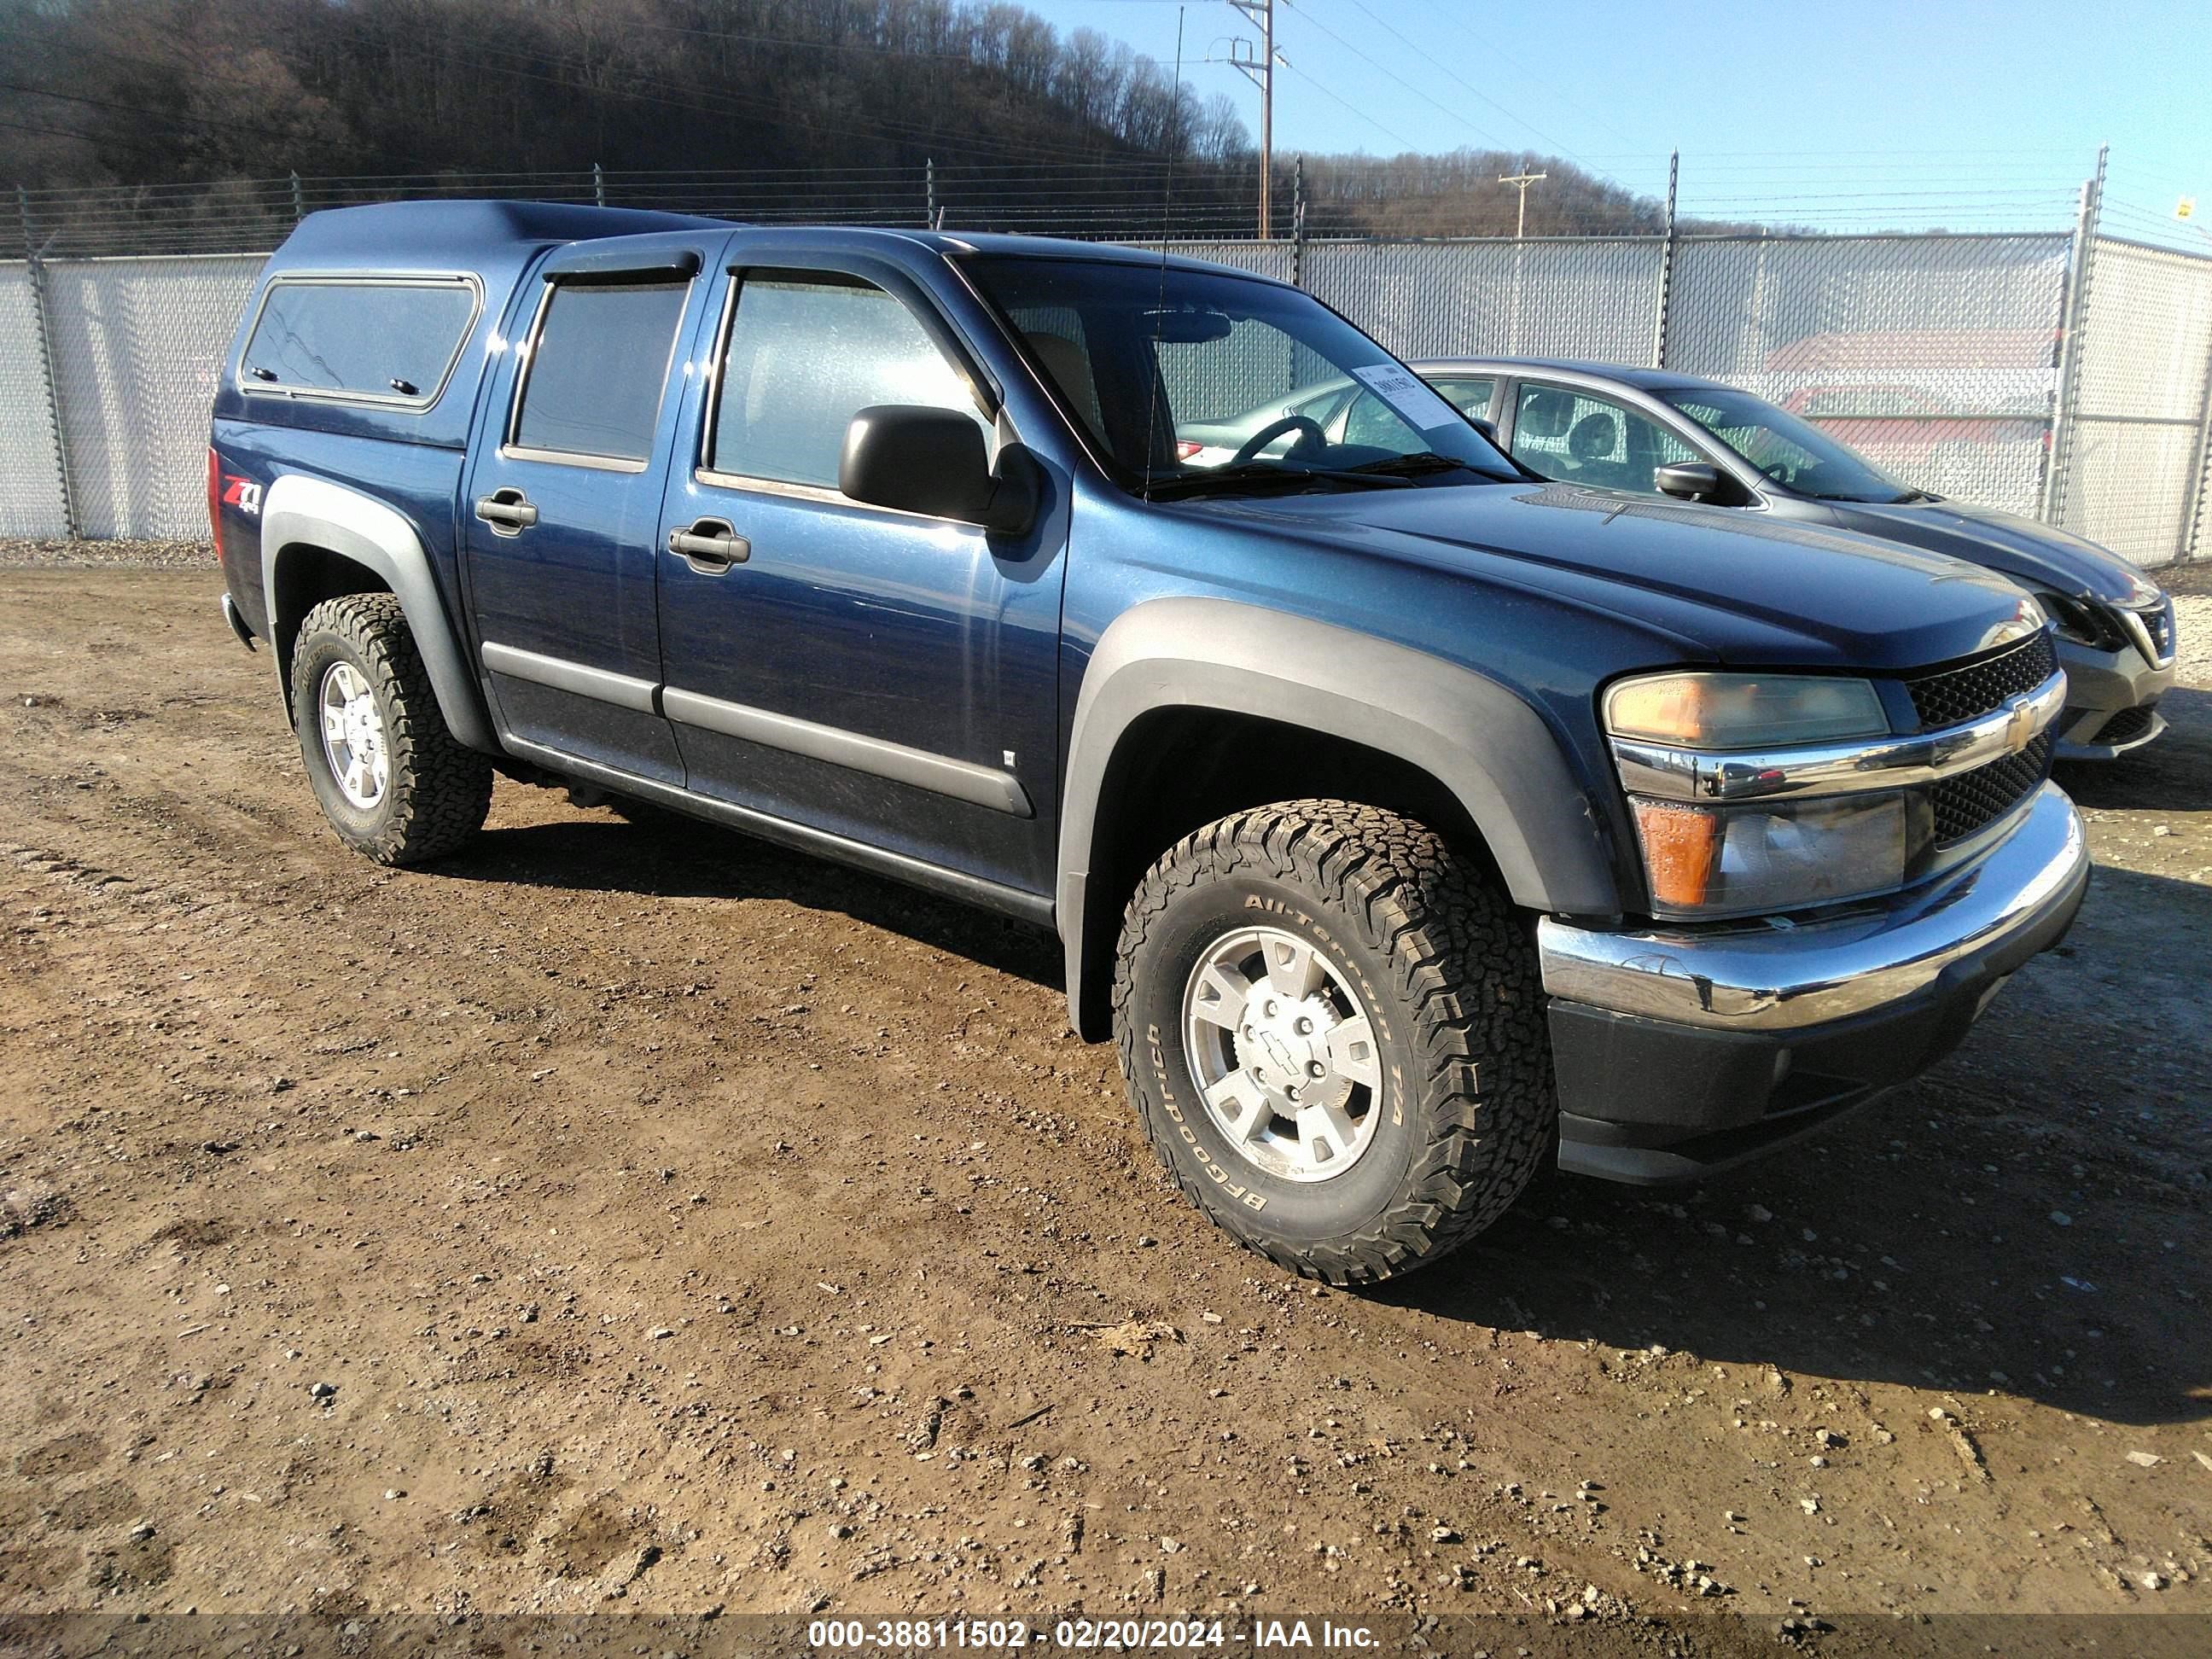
1571	297
137	344
2134	433
31	501
1943	357
1936	357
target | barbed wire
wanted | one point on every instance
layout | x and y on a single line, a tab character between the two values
1110	199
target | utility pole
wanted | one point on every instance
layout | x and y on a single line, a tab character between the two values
1521	181
1260	71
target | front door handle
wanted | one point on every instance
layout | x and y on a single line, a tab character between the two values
509	512
710	546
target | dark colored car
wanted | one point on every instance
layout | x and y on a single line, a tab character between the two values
1408	821
1654	432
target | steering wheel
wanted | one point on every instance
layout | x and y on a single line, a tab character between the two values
1308	429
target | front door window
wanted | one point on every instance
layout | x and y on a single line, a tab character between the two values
1578	437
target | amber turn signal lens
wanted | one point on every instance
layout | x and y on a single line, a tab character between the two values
1682	848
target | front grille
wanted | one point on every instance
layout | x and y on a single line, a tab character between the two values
2128	725
1955	695
2160	623
1974	800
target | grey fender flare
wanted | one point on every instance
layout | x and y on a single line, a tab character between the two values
301	511
1478	738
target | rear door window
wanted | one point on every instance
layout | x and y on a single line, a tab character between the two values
599	361
365	339
1470	398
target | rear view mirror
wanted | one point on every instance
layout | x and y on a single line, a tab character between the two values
920	460
1688	481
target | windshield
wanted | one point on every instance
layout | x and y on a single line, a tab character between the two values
1794	453
1199	381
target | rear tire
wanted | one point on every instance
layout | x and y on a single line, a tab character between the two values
395	784
1436	1130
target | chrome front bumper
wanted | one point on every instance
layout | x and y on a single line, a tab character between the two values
1772	975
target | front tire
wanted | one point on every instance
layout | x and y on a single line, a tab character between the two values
395	784
1332	1030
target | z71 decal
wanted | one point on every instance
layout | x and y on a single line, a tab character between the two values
243	494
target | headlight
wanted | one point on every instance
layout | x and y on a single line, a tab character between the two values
2082	622
1761	857
1743	711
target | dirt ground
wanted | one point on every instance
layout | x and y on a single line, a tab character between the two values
636	1215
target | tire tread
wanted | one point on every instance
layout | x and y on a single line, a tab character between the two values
440	789
1464	971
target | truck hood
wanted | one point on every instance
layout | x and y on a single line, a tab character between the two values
1744	588
2037	554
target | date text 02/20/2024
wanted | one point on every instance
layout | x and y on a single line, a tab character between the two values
1118	1634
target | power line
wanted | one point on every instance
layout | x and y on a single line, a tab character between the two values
735	103
171	118
1393	75
793	40
1386	131
1490	47
1458	80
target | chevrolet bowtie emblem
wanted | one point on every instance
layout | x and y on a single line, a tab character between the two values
2019	725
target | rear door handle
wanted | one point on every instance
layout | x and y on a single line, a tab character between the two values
710	546
509	512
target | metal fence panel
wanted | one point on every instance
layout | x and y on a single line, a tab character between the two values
1565	298
2197	541
1933	355
30	472
138	345
2140	381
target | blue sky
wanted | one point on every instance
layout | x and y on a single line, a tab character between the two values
1851	112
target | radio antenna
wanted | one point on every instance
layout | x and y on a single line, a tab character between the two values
1160	304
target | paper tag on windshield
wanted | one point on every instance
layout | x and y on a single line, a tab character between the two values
1417	405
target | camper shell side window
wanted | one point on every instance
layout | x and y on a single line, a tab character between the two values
368	339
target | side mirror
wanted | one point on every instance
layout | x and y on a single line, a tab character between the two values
920	459
1689	481
1489	430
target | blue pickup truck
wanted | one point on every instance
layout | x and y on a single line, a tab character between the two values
1406	819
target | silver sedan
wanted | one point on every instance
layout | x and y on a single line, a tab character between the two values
1656	432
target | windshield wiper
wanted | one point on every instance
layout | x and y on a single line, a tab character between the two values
1422	463
1259	473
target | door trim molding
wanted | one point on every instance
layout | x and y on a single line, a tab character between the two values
1035	909
603	685
940	775
981	785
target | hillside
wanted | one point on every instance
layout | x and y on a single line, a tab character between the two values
823	106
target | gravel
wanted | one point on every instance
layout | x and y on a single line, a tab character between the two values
2192	621
59	553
